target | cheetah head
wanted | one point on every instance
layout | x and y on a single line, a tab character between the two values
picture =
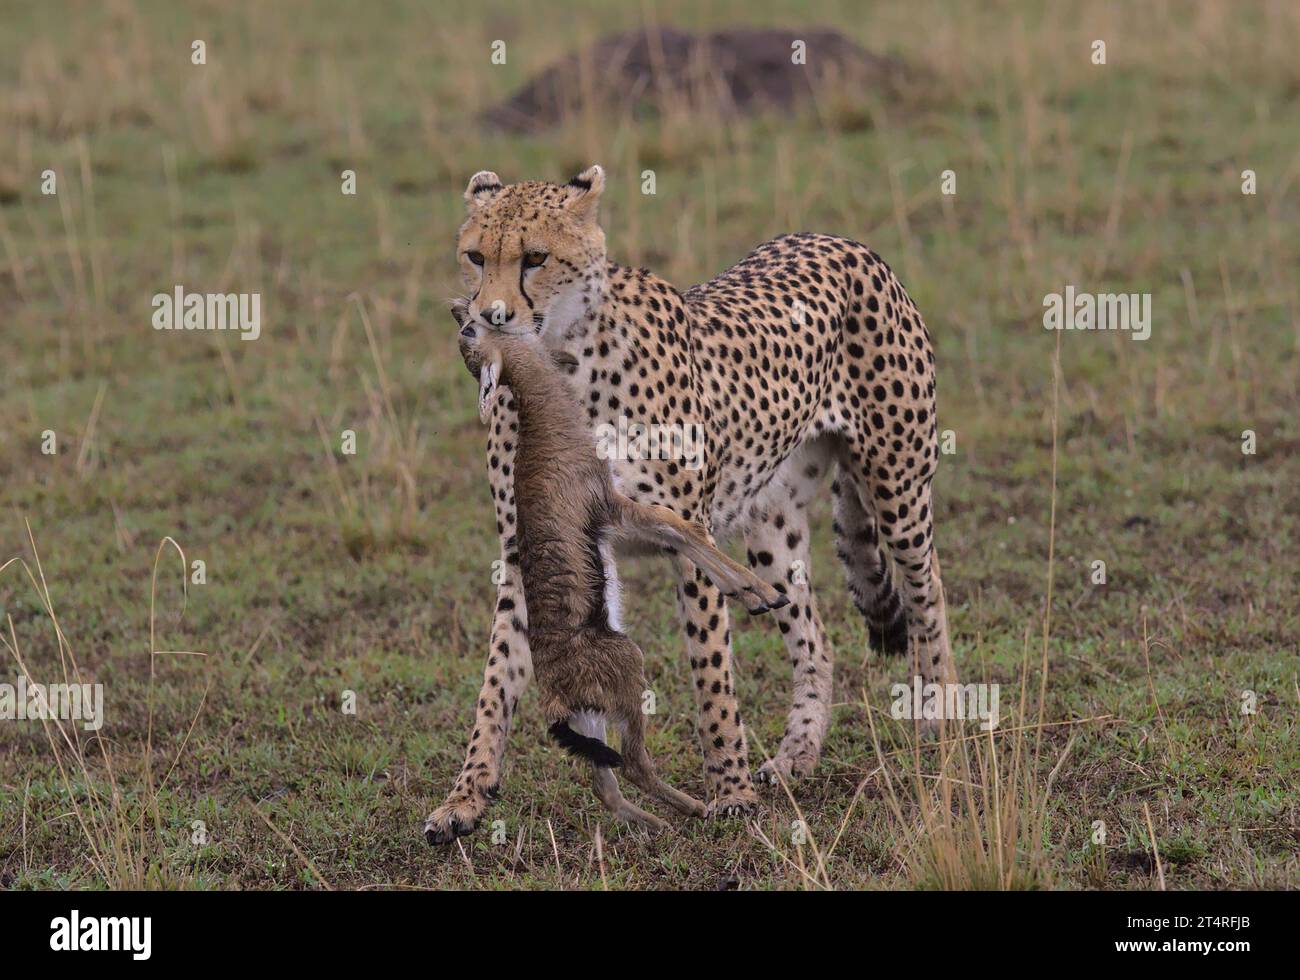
532	255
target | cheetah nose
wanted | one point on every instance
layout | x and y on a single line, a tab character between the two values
495	317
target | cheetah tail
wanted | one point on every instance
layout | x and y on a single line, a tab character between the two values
887	625
584	747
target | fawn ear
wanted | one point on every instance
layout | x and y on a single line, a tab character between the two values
482	187
459	310
584	190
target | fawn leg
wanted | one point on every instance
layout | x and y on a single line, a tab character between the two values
658	525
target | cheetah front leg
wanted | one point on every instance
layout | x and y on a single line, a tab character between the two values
509	663
703	610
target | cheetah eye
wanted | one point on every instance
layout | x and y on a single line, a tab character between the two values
475	257
533	260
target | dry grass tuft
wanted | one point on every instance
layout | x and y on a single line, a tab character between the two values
121	825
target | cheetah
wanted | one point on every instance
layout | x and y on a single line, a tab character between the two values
589	673
806	359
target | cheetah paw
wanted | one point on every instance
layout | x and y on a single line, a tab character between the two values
730	808
785	768
773	772
451	820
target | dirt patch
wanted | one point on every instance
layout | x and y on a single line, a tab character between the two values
727	72
1136	861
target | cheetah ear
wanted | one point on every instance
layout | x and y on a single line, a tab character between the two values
584	190
482	187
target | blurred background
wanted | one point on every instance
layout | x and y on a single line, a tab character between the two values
329	572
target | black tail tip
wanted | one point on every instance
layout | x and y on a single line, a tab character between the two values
891	639
584	747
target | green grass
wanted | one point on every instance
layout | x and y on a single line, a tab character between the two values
372	573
